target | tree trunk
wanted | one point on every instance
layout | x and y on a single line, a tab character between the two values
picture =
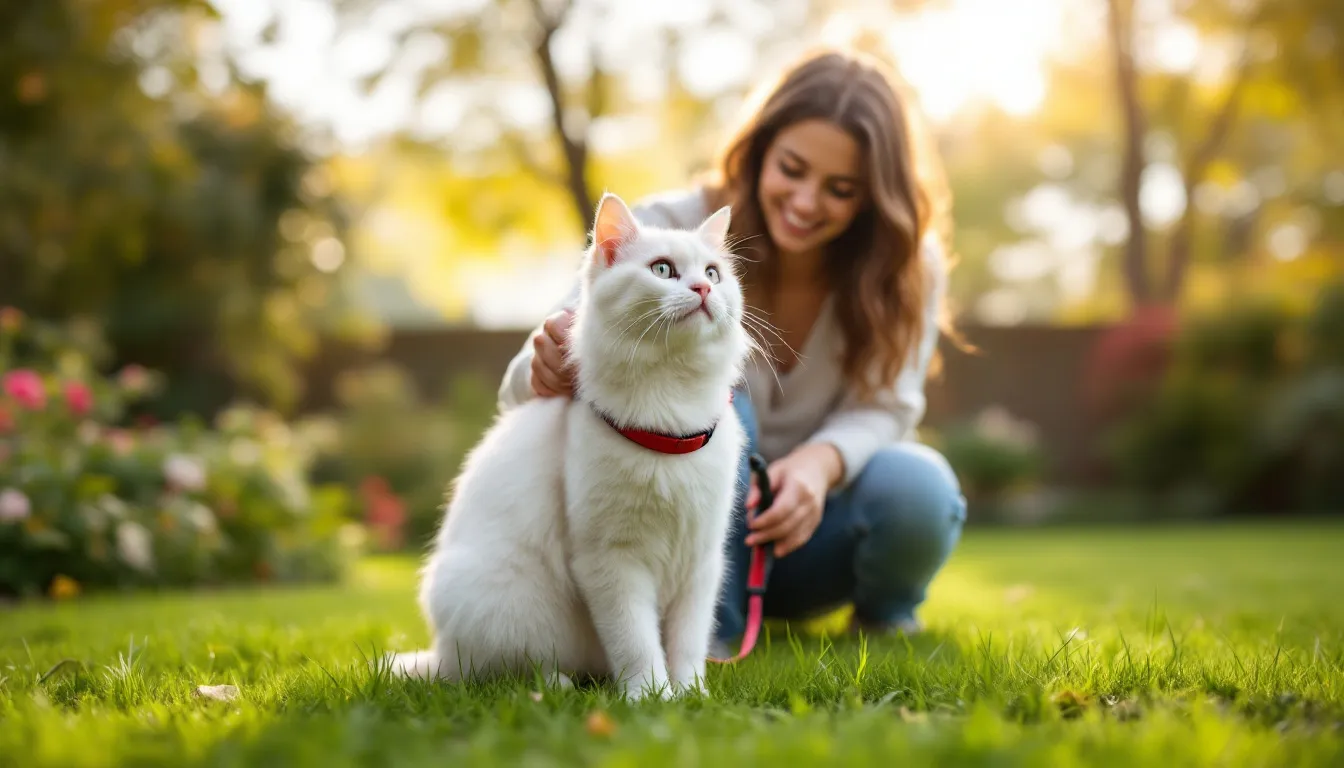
575	150
1131	169
1182	238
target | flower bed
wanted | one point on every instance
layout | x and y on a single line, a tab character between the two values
90	499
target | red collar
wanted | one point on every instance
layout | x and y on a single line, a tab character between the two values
659	441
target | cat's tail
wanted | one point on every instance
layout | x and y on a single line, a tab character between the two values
426	665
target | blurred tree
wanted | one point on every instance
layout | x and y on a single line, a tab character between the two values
610	78
557	100
1283	80
184	219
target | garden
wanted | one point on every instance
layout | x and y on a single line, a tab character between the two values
253	317
221	592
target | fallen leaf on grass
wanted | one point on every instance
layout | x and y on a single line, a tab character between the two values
1070	703
217	692
600	724
910	716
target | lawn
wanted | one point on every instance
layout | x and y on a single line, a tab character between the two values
1175	646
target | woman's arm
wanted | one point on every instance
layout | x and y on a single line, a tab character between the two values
839	450
857	431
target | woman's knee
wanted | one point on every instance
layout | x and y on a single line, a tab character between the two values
909	492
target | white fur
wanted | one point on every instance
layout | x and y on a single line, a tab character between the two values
565	545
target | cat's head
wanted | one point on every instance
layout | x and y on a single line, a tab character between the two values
666	290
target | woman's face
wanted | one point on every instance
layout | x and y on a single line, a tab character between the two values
811	185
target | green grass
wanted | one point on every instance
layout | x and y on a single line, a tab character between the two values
1209	646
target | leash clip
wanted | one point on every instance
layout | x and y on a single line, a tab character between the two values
759	469
758	576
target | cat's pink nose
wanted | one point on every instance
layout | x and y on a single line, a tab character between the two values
701	289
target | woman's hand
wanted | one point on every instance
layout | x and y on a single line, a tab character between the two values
801	482
551	377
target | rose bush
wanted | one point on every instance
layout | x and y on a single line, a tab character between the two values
91	501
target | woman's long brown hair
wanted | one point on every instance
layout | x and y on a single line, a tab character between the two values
877	273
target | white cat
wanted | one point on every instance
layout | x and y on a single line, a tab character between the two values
570	545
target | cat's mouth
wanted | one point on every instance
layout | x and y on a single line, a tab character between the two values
690	313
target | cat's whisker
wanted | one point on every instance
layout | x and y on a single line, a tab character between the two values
763	326
667	331
621	332
756	328
634	351
755	341
645	316
756	350
650	313
732	245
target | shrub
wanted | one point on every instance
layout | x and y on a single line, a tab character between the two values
88	501
399	451
1250	414
993	455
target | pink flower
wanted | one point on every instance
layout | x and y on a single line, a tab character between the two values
384	511
26	387
121	441
133	378
14	506
78	398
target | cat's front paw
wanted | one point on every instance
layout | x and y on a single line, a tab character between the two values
688	678
694	689
641	688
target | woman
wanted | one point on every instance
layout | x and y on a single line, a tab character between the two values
835	225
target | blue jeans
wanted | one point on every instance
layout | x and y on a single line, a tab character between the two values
879	543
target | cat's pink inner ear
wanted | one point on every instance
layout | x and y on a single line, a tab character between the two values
614	227
714	230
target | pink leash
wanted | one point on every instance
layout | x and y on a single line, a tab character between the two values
758	573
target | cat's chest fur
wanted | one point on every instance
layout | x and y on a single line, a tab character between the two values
664	510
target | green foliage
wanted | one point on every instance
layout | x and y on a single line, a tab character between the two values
993	456
89	504
181	223
401	451
1249	415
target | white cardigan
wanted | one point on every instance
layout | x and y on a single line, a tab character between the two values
811	402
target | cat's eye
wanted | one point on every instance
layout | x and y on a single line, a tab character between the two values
663	268
712	272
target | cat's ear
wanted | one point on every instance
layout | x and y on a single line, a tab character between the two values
714	230
614	226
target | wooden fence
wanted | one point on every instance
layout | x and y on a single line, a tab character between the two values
1035	372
